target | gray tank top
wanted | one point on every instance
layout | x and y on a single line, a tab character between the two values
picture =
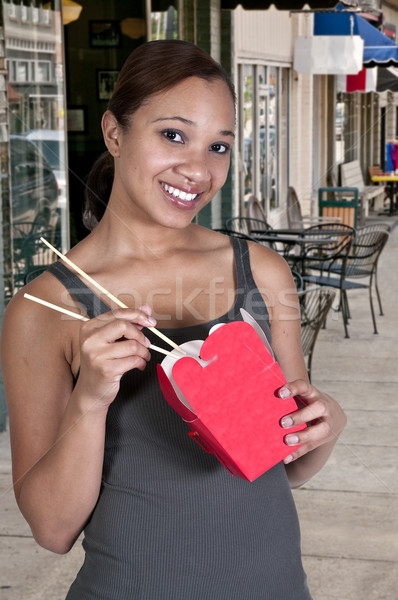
171	523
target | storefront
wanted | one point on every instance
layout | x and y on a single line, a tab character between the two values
59	61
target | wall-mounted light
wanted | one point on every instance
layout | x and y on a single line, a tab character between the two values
133	28
70	11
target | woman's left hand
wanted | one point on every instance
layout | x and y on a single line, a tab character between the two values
324	417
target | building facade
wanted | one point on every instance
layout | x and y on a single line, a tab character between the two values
58	65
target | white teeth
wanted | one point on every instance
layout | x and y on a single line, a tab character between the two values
178	193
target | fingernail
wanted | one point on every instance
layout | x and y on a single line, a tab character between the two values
288	459
151	321
292	440
287	422
284	392
147	342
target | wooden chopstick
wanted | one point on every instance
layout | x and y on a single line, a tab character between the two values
70	313
107	293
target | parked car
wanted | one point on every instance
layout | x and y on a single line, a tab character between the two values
51	144
34	189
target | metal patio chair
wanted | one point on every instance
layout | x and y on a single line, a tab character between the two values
247	225
315	304
295	218
358	262
255	210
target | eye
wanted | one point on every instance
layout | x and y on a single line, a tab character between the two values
220	148
173	136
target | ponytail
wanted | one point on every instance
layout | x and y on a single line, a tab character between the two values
98	190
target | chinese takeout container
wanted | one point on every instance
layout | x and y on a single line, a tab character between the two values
229	398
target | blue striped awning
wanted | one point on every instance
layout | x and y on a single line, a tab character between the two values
379	50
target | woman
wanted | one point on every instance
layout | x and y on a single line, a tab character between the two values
94	444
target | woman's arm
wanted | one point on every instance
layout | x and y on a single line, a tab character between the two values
320	411
58	430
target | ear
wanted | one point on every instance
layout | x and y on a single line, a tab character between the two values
110	131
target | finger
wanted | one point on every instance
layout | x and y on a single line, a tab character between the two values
135	316
299	387
113	329
309	414
307	440
138	316
126	348
311	436
147	310
116	339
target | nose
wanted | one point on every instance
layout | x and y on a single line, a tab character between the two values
194	166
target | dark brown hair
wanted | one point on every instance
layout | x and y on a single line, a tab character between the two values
152	68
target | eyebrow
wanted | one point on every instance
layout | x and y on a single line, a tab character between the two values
192	124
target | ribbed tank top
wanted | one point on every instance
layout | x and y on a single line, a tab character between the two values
171	523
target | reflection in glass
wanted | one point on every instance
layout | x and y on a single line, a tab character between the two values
37	146
263	132
247	125
263	136
165	24
339	129
272	134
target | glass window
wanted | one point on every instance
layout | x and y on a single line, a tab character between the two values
246	138
272	133
37	145
339	128
43	72
24	13
165	24
263	136
22	73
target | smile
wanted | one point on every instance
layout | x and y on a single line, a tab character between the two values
178	193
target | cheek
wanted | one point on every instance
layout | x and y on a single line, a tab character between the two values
154	160
220	173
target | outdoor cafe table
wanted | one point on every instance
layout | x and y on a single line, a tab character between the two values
391	180
296	239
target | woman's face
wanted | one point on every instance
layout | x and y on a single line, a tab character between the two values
175	155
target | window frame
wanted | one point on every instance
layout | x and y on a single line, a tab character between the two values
282	133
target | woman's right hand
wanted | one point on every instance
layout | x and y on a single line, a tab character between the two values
57	427
110	345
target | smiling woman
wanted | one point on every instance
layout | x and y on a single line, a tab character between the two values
149	74
96	448
162	149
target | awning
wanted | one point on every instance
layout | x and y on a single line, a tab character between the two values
281	4
377	79
364	81
379	50
387	79
162	5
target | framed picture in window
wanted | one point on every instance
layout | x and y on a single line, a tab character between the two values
77	119
104	34
105	83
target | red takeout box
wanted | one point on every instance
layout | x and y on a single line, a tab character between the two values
230	402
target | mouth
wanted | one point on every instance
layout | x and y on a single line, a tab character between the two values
179	195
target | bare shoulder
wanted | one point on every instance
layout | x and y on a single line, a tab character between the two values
210	239
31	329
269	268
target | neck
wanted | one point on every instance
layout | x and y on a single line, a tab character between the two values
133	238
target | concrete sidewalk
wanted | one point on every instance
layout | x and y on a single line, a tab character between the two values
348	512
